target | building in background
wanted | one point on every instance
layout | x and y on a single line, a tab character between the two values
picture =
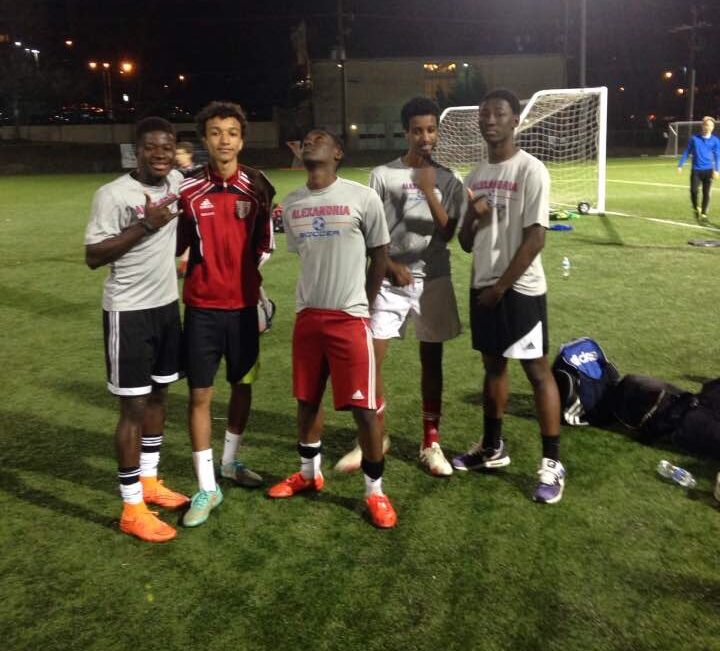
376	89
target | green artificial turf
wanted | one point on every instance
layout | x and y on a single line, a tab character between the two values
626	561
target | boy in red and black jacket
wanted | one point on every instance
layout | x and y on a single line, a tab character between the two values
226	221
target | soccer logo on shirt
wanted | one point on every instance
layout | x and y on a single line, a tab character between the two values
242	209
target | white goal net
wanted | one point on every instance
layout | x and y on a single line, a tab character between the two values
566	129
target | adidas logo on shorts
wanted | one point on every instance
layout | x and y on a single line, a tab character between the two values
358	395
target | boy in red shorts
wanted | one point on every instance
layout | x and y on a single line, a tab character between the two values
335	225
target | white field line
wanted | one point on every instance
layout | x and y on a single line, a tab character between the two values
616	166
665	221
655	185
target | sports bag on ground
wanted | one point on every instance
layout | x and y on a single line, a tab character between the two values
584	376
649	406
699	429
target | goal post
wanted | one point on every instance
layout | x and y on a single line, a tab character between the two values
565	128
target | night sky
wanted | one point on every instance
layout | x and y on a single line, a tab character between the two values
241	50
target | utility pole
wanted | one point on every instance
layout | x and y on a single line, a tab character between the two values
693	51
692	30
343	76
583	43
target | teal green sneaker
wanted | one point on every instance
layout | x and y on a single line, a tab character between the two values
240	474
200	506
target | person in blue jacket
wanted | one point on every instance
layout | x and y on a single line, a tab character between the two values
704	148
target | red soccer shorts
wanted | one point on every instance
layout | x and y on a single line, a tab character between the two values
332	342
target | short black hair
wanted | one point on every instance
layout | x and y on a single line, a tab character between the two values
152	123
220	110
503	93
418	106
185	146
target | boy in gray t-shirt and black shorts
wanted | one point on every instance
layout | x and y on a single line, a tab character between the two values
504	229
132	230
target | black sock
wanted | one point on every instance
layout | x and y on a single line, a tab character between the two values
373	469
309	451
551	447
492	432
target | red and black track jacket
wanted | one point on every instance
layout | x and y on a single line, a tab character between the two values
227	224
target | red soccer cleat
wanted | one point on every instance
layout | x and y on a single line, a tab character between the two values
295	484
381	511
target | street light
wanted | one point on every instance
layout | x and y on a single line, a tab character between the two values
107	82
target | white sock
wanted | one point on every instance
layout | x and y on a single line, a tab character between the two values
232	443
373	486
203	462
150	455
131	493
130	487
310	468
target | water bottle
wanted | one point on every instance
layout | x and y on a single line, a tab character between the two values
678	475
565	267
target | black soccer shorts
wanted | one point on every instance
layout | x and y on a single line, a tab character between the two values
209	335
142	347
515	328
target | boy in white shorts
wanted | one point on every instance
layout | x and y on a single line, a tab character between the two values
423	203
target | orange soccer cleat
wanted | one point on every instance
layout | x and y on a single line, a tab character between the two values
295	484
155	492
381	511
137	520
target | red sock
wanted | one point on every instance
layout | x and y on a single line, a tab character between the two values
431	422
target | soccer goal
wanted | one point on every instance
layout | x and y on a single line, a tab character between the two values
679	134
564	128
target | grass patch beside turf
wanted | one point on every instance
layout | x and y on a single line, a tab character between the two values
625	561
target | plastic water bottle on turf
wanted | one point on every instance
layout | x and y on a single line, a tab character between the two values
565	267
678	475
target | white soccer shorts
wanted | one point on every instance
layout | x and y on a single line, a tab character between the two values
430	304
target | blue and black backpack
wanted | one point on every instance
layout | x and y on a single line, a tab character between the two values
585	377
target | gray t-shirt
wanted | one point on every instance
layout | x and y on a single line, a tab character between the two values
518	192
415	240
145	276
332	229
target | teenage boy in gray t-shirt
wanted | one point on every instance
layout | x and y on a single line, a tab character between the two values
132	230
423	202
335	225
504	229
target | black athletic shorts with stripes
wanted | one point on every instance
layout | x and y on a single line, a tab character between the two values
209	335
142	348
515	328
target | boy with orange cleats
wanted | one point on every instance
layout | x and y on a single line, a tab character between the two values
335	225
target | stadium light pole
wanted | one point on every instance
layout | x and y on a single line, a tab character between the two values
125	68
107	89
